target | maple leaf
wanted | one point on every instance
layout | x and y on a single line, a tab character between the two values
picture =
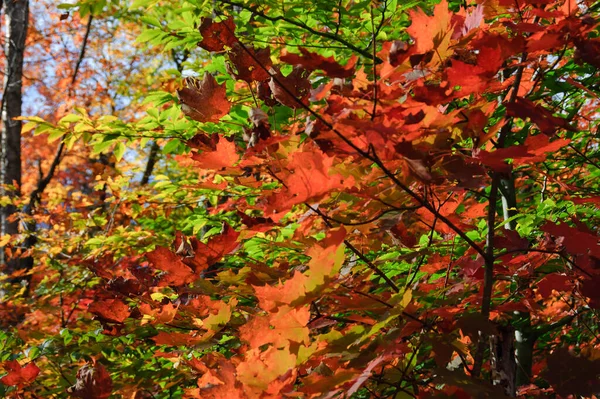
219	382
552	282
214	322
312	61
310	181
546	122
534	149
473	19
432	32
204	101
176	339
292	90
576	242
93	382
270	297
588	50
17	375
176	272
163	314
572	375
475	78
216	35
365	375
248	64
223	156
326	260
202	256
279	328
112	310
261	368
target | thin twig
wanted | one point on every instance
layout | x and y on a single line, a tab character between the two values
326	35
374	44
370	155
88	28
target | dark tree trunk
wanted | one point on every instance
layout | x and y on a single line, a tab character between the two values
16	15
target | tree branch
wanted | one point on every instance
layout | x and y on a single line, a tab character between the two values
326	35
369	155
88	28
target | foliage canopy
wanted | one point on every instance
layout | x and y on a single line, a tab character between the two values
353	199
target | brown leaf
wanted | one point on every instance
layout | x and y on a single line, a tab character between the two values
216	35
93	382
297	85
204	101
248	64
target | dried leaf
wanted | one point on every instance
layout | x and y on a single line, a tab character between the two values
204	101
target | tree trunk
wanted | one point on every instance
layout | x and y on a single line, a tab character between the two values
16	14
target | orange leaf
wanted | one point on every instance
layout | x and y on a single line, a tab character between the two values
177	272
311	180
113	310
223	157
427	31
279	329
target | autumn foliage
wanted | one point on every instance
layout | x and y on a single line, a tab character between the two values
383	200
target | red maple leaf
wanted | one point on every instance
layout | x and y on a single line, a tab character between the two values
546	121
430	31
292	90
113	310
17	375
312	61
216	35
177	272
312	178
223	156
204	101
205	255
248	64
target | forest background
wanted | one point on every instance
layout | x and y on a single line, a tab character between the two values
327	199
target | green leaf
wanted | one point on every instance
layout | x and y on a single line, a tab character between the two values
148	35
119	150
